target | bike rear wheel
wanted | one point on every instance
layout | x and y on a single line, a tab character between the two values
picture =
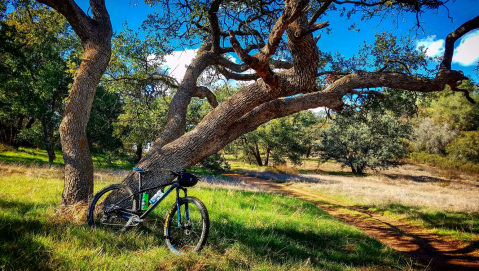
107	209
190	235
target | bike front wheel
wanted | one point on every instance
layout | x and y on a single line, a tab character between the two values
190	234
112	207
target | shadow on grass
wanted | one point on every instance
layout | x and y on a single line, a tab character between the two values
460	222
18	248
10	159
336	173
27	243
331	250
280	178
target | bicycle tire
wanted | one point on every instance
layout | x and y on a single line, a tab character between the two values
192	235
123	197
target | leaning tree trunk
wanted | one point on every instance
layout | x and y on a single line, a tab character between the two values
241	113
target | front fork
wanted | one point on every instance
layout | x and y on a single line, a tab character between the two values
187	212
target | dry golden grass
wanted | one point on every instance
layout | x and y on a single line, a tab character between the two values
72	213
408	185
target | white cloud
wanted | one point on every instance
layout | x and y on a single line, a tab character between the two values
319	110
178	61
433	47
467	52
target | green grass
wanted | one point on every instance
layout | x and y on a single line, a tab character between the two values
248	231
40	157
462	226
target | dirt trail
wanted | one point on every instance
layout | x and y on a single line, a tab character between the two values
428	249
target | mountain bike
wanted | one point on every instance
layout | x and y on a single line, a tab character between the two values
186	224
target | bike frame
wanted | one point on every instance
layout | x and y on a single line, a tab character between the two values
174	185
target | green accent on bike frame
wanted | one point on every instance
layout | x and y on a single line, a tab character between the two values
144	201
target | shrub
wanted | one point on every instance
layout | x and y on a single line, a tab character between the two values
465	146
432	137
443	162
216	163
364	141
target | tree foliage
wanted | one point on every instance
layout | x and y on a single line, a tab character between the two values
372	139
291	138
136	73
34	77
465	147
450	107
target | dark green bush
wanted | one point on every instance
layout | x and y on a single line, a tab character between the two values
443	162
465	147
216	164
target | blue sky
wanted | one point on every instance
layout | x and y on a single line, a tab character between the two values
341	39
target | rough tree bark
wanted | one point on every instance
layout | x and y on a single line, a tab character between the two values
139	152
95	34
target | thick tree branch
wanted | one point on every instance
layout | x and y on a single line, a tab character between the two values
277	64
318	13
466	94
248	48
259	61
310	29
215	27
80	22
371	92
451	39
73	13
237	76
203	92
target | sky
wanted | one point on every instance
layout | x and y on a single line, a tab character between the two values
341	39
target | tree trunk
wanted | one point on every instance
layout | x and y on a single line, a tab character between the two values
76	154
95	34
257	155
308	152
48	135
266	160
139	152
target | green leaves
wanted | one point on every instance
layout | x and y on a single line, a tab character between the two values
371	140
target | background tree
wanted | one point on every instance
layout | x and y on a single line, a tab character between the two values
137	73
36	81
106	108
360	141
289	137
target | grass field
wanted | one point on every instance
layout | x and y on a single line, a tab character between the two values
40	157
437	199
249	230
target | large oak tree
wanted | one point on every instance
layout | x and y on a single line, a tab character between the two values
276	40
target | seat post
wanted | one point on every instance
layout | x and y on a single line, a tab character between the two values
139	188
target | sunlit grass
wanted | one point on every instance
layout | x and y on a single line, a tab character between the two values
444	206
249	230
40	157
